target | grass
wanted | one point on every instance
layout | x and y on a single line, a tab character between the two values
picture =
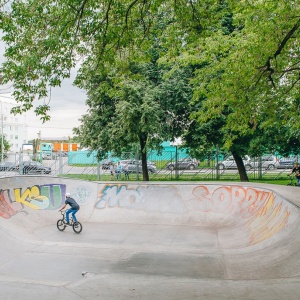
168	178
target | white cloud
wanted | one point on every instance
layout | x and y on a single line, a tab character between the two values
67	105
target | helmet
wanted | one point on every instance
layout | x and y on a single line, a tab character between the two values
68	195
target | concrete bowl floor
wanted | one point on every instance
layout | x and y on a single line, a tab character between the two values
149	241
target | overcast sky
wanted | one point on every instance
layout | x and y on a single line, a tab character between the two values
67	106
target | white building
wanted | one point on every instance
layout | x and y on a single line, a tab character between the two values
13	127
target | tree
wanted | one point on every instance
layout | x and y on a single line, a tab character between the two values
249	69
139	106
252	67
45	38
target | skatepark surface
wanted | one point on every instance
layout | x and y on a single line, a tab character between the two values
149	240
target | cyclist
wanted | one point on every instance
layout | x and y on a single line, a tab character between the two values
296	170
73	210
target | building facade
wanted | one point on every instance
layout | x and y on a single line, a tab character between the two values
13	127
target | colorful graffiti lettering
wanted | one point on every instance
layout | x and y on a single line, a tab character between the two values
265	216
48	196
8	207
229	199
118	196
262	214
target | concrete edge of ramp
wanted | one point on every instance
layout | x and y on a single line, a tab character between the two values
259	210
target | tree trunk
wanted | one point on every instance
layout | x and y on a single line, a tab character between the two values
241	168
143	140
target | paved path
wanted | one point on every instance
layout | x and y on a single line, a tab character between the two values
149	241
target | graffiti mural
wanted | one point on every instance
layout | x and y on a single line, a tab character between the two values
264	215
8	207
142	198
47	196
118	196
261	212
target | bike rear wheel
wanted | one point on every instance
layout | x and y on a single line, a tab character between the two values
77	227
61	225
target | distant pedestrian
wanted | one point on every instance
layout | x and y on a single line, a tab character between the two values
126	171
112	171
119	170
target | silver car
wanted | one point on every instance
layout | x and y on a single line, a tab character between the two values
229	163
268	162
134	165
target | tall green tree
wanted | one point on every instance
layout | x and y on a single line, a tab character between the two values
144	105
253	68
46	39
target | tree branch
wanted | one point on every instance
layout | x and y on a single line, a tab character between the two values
267	68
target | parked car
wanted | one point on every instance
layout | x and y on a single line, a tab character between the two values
184	164
61	153
33	167
287	162
106	164
8	166
47	156
133	165
268	162
229	163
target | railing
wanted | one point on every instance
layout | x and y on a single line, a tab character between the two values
167	168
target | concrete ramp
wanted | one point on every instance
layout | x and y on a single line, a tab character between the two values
149	241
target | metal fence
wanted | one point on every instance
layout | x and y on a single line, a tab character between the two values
168	167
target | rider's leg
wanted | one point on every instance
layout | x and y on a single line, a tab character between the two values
74	211
67	214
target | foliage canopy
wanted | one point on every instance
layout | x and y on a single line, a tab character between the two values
247	53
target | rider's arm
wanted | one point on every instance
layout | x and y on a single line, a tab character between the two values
63	207
293	170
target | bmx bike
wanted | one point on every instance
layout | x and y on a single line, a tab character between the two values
293	181
62	223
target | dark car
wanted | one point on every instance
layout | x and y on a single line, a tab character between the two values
8	166
185	164
28	167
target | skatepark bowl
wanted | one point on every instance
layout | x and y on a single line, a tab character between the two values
147	240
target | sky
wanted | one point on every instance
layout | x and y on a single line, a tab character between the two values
67	105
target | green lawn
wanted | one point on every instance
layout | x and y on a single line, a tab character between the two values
163	178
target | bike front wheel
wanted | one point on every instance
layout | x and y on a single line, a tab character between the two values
61	225
77	227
